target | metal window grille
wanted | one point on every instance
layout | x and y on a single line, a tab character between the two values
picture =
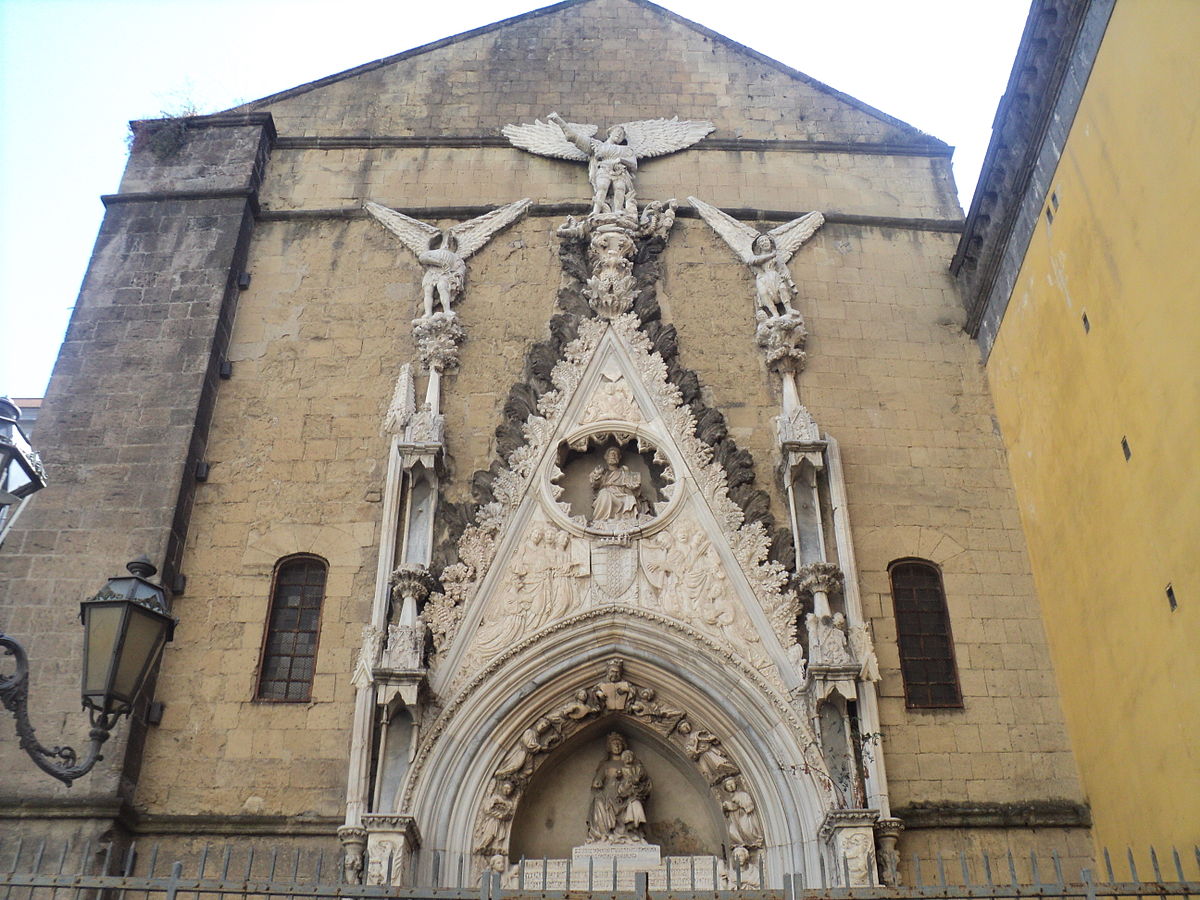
923	632
290	645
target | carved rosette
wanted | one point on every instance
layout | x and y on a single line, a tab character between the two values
438	338
781	339
615	693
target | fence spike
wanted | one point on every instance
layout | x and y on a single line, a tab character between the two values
714	874
274	860
821	870
226	855
249	863
762	871
590	873
1178	864
1132	865
41	851
521	876
846	871
153	859
62	857
1108	866
916	871
1196	853
1058	875
545	872
987	868
1086	875
1012	869
1154	864
941	869
1033	868
17	853
321	863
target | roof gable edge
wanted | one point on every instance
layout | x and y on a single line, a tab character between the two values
706	32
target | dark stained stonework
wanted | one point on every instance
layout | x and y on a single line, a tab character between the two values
540	361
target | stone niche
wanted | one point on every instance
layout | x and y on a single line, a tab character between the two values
681	815
579	459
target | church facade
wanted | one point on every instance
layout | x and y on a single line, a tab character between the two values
616	487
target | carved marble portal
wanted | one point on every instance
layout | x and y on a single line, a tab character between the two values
620	786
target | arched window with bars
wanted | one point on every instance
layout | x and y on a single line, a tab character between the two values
923	633
289	651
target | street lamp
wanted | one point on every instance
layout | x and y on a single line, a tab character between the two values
21	473
124	629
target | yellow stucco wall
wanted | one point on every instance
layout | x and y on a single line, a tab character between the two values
1106	535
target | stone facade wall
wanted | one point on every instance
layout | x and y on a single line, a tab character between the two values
298	458
611	59
124	413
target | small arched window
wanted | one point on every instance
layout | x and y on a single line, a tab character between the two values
923	632
289	651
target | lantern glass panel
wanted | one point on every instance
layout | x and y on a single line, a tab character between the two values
102	628
143	638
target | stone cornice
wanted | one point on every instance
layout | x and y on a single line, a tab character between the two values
1057	49
336	142
428	213
1028	814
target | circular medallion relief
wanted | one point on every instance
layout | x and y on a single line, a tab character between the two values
610	483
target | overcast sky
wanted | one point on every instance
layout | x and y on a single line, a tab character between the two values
73	72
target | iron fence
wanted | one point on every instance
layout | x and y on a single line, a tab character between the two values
34	871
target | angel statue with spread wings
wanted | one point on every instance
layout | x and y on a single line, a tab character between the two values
766	253
613	161
443	254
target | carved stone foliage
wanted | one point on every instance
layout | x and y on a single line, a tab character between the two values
612	239
444	609
613	819
748	540
781	339
438	338
538	380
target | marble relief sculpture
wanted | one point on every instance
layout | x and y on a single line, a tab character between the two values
766	254
619	790
612	162
620	786
443	254
618	489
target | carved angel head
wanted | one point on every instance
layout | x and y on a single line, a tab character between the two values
764	243
616	134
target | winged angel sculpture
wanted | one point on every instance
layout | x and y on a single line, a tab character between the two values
766	253
443	254
613	161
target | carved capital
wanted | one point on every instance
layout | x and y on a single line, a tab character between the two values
354	844
887	831
820	576
413	581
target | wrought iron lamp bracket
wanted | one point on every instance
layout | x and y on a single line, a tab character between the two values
60	762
